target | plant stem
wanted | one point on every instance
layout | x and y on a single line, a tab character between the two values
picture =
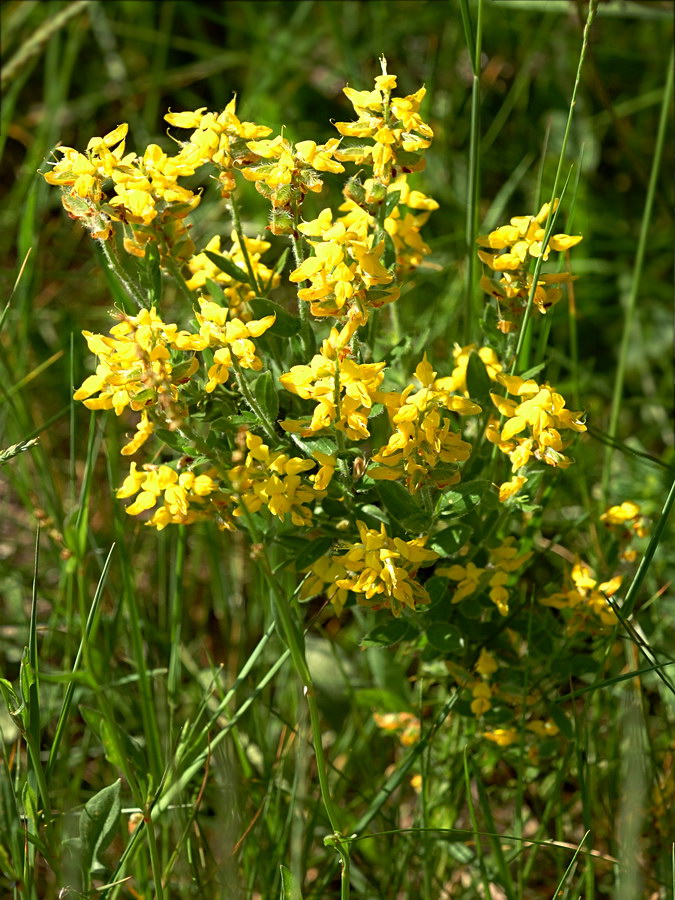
592	9
474	48
294	639
242	384
113	262
637	274
236	221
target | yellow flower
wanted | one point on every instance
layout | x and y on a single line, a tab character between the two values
482	693
393	123
406	724
487	664
143	431
346	271
503	737
503	560
273	480
381	570
134	366
521	241
626	514
587	596
509	488
343	390
542	415
424	447
183	495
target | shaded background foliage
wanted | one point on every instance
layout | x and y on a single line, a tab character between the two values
287	61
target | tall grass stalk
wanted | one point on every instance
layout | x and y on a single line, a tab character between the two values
638	266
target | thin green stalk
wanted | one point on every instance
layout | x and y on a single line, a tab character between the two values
294	640
474	46
236	221
298	256
637	275
70	689
254	406
173	268
112	260
632	593
592	9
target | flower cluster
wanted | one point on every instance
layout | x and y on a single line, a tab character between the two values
424	447
542	415
218	138
343	390
135	368
186	497
273	480
346	271
503	561
588	596
394	124
146	195
516	245
381	570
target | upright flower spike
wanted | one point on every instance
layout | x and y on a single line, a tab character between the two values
135	367
343	389
272	480
381	570
424	448
394	124
533	425
516	245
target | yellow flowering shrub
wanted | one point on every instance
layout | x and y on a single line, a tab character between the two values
276	401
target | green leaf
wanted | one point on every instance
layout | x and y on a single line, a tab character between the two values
391	202
478	381
133	754
290	889
450	540
266	395
463	498
12	702
445	637
174	440
226	264
312	550
370	511
562	721
309	447
153	274
98	823
398	501
279	268
387	633
286	323
217	293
